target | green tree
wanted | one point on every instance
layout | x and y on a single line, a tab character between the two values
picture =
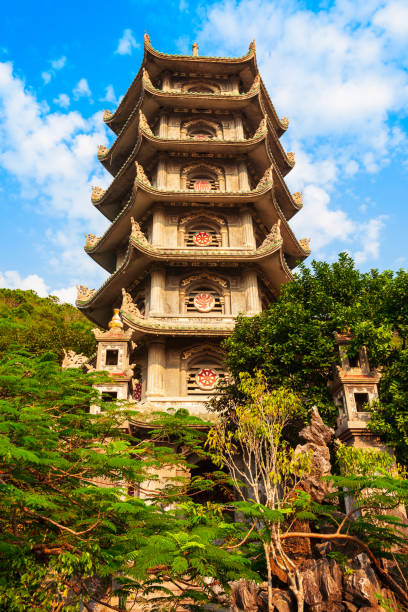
293	341
67	520
42	324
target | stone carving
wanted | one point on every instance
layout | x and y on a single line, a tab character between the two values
204	275
256	83
273	237
144	124
102	151
298	198
252	46
284	122
203	348
137	234
128	306
107	114
83	293
291	158
304	243
73	360
97	194
146	38
261	128
91	240
140	174
146	77
265	180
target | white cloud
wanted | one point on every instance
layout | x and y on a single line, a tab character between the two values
53	157
126	43
62	100
369	239
46	77
110	95
59	63
81	90
13	280
339	74
68	294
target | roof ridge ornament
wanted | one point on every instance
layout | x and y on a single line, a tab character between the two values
128	305
305	244
252	46
97	194
137	234
144	124
297	197
265	180
284	121
107	115
146	77
102	151
91	240
261	127
195	49
83	293
140	174
273	237
146	39
291	158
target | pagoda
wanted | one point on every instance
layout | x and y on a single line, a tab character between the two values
199	231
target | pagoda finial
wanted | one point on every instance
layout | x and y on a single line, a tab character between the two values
195	49
297	197
115	321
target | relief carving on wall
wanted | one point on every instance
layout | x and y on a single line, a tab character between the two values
128	306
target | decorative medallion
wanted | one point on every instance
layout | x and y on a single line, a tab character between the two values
202	185
204	302
202	239
206	379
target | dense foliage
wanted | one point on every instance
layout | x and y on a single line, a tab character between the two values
293	341
68	521
42	324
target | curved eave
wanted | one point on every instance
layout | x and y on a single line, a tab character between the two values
271	112
244	66
99	307
143	196
117	120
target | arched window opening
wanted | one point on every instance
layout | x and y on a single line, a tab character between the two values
203	182
201	131
204	299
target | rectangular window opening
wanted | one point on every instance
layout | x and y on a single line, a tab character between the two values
361	400
109	396
354	361
112	357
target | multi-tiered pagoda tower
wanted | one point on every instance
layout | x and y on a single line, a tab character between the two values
199	230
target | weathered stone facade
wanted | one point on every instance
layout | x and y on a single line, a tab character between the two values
199	233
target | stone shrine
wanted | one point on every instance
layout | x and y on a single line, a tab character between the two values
199	232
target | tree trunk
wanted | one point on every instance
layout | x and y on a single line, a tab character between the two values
268	552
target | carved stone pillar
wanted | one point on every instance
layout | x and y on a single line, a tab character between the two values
243	176
252	292
157	287
156	362
163	125
161	173
159	223
248	229
239	127
235	85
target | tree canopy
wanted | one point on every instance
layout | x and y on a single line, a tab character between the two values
293	342
42	324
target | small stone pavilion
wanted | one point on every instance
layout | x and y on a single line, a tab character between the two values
199	231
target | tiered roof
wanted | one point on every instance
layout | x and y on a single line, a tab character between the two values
131	195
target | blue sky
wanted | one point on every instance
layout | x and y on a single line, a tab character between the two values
337	69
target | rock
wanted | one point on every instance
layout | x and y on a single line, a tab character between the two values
245	596
323	585
349	606
317	435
